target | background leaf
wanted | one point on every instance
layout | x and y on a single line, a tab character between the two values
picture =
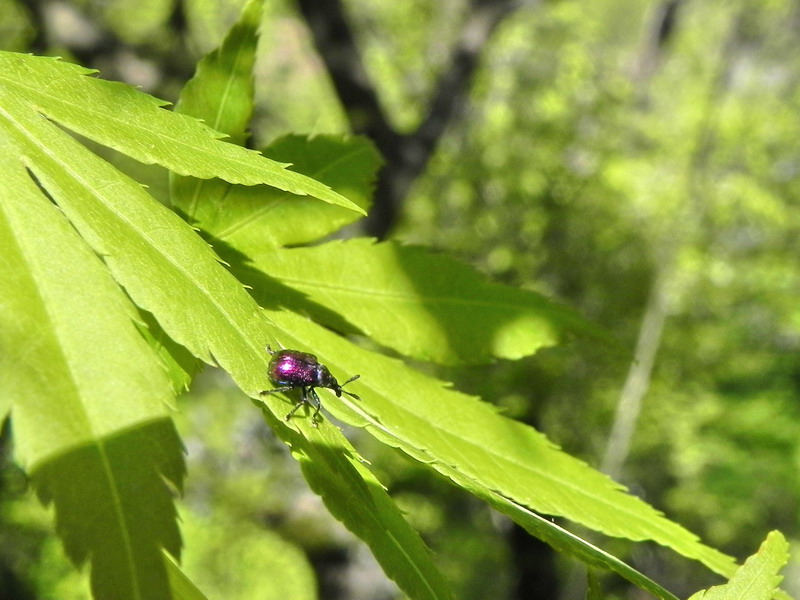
220	94
256	555
221	91
419	303
251	218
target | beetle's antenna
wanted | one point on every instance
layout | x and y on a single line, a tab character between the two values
271	351
353	378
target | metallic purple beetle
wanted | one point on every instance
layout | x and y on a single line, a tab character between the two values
292	369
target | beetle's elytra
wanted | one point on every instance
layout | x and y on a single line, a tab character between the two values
290	369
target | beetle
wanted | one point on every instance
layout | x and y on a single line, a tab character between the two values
292	369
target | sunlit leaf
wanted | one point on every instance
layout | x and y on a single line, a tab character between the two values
88	398
419	303
123	118
169	271
250	219
469	442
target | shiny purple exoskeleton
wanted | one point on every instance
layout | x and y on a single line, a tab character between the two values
292	369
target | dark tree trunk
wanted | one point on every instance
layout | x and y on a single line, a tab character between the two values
406	155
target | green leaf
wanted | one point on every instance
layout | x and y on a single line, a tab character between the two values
354	496
221	91
250	219
220	94
757	578
418	303
491	320
180	365
88	397
121	117
112	505
231	213
570	544
169	271
467	441
349	164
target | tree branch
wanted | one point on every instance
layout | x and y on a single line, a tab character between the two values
406	155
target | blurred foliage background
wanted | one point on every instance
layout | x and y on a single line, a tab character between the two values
635	159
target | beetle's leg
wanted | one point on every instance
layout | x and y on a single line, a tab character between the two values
317	403
288	388
298	405
277	390
294	410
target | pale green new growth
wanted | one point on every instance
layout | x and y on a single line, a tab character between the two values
168	270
